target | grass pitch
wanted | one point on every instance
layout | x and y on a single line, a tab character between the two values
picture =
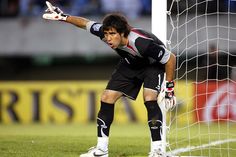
73	139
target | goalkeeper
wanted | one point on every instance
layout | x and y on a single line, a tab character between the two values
144	60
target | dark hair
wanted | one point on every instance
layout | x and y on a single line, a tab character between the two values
117	21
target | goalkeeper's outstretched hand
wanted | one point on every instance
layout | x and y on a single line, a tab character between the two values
54	13
166	97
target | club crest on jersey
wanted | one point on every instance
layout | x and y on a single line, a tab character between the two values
158	87
96	27
160	53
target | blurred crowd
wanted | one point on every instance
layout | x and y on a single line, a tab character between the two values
29	8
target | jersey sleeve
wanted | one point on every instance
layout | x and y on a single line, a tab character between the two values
95	29
157	52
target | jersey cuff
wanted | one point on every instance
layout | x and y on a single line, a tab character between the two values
89	25
165	57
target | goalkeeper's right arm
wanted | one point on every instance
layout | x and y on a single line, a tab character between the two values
54	13
77	21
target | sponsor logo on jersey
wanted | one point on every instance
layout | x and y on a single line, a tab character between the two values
96	27
160	53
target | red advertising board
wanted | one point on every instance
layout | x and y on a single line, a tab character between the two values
215	101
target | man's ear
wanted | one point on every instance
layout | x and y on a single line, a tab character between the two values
122	34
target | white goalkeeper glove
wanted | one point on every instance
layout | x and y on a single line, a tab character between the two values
166	97
54	13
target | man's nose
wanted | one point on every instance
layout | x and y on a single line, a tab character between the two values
108	38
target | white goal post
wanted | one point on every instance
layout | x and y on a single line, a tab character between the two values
202	35
160	30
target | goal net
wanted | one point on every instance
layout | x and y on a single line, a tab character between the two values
202	34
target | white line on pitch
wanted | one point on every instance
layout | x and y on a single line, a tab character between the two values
187	149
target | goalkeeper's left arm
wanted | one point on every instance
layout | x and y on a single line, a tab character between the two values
167	96
170	99
170	68
56	14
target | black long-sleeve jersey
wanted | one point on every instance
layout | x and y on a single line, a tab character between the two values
143	48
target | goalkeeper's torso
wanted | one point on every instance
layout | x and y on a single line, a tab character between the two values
143	48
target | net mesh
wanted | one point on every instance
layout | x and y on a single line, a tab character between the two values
202	34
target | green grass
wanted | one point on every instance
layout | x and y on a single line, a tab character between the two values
125	140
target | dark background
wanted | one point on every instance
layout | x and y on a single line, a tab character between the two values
83	67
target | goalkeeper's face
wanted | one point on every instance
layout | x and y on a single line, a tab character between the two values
113	38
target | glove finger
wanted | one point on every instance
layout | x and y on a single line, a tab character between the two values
167	104
49	17
48	11
174	98
173	103
160	99
58	10
50	6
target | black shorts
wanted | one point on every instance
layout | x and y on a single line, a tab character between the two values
129	80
